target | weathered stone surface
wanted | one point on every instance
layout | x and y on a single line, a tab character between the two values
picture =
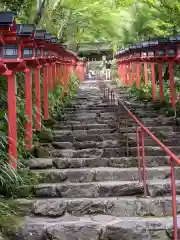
39	163
99	189
97	227
102	174
122	206
82	138
72	175
163	187
139	230
87	153
79	230
77	133
63	145
85	144
64	138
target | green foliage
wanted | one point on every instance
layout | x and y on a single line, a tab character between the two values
9	219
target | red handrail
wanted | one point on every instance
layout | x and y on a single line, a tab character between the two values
143	129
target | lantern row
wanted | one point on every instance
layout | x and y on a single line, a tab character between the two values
161	48
22	48
24	41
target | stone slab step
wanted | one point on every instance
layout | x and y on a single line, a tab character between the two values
114	206
80	137
98	227
105	189
159	129
111	152
91	144
103	174
123	162
161	135
84	126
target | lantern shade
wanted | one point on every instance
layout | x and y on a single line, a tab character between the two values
171	52
173	39
47	37
40	34
7	18
160	52
150	54
145	44
138	45
25	29
132	47
28	52
163	40
10	51
153	42
53	39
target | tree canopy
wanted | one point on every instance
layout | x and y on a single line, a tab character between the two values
117	22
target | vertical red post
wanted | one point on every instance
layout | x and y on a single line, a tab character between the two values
172	87
153	81
161	87
46	106
54	75
174	209
28	94
38	98
12	128
50	77
144	164
146	77
138	80
138	153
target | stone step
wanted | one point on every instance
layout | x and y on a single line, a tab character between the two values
161	135
103	174
115	206
91	144
169	142
105	189
97	227
83	126
123	162
159	129
111	152
76	137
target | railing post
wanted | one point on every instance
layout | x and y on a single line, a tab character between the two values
174	210
28	94
161	88
45	88
127	140
138	154
12	135
153	82
38	98
144	164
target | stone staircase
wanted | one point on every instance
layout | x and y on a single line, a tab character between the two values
91	189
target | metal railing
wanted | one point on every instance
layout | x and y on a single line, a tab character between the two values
118	105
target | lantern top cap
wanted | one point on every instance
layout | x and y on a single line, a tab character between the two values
25	29
7	18
40	34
